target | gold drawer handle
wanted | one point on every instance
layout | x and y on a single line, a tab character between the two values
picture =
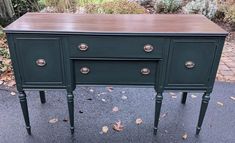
148	48
41	62
84	70
189	64
83	47
145	71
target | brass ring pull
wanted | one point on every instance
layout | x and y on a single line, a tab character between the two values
41	62
148	48
83	47
84	70
145	71
189	64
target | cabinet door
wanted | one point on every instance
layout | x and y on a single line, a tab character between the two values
40	61
190	63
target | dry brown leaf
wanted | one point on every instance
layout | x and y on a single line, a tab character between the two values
11	83
115	109
110	89
105	129
53	120
220	103
185	136
138	121
118	126
13	93
233	98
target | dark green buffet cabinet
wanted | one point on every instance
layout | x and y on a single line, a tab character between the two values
167	52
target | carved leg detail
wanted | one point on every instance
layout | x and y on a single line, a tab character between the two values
71	111
184	97
42	97
24	107
204	104
158	104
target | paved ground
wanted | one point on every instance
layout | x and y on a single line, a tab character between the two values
92	114
226	71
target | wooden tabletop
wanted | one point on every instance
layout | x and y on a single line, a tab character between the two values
160	24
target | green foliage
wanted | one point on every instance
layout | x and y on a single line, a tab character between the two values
115	7
23	6
168	6
206	7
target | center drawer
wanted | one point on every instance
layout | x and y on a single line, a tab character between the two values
116	47
115	72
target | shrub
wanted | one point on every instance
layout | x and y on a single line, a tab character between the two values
206	7
60	5
23	6
116	7
167	6
230	14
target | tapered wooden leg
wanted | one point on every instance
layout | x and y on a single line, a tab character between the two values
158	104
24	107
71	111
204	104
42	97
184	97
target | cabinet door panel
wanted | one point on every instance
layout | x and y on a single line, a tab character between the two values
29	50
190	62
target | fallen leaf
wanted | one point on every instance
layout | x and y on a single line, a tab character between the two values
91	90
115	109
220	103
123	92
103	100
53	120
102	93
193	96
172	93
174	96
1	82
184	136
138	121
11	83
124	97
233	98
105	129
163	115
110	89
118	126
13	93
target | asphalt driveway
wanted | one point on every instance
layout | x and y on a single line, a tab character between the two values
93	110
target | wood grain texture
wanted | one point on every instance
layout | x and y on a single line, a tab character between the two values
61	23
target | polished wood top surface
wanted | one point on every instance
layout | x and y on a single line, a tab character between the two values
160	24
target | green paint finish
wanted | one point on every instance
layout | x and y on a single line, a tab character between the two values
199	51
115	72
29	50
116	46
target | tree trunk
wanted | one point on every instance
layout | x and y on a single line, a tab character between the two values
6	9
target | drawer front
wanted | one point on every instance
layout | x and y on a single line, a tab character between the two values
115	72
40	61
115	47
190	62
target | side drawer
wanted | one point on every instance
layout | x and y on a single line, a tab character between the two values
115	72
116	47
190	62
40	61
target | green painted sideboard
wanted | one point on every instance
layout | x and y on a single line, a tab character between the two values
167	52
